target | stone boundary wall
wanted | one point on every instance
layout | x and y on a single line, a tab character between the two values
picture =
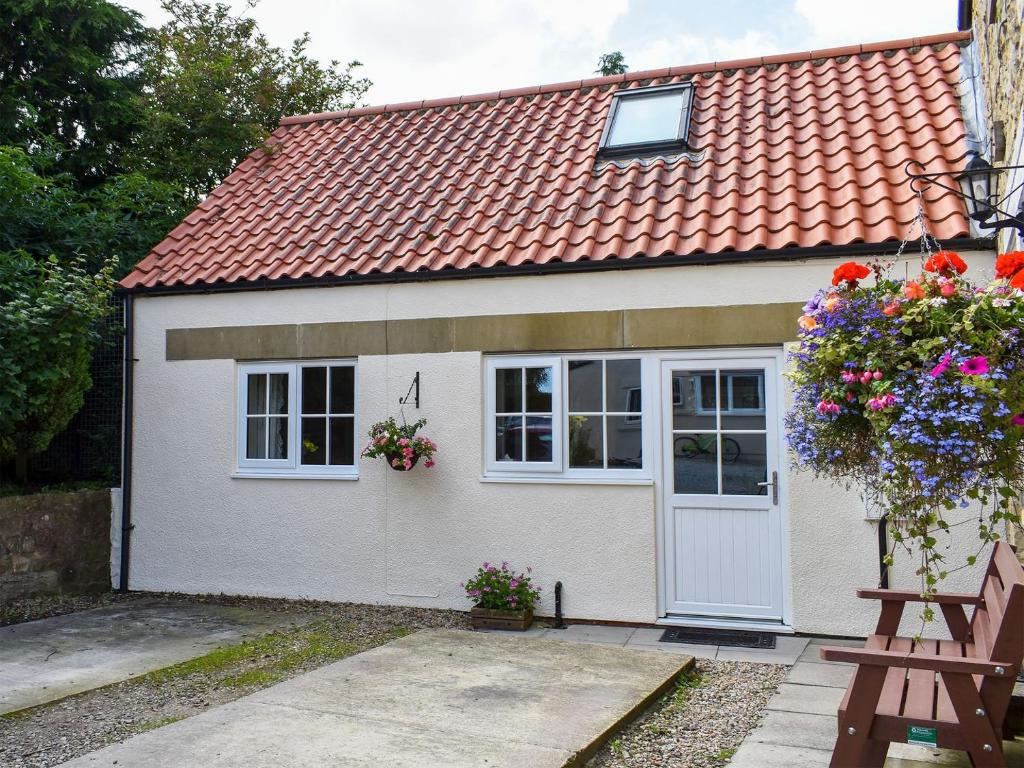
54	542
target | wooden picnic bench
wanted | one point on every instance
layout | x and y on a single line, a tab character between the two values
952	693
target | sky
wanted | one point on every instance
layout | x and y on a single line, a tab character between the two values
434	48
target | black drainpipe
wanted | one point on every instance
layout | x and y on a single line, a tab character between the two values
883	551
126	446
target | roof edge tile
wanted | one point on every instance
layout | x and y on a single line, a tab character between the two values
648	74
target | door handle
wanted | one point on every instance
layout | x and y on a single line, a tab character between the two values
775	487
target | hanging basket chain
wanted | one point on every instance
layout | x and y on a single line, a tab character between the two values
928	243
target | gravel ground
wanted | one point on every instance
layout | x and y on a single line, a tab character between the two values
701	723
53	733
32	608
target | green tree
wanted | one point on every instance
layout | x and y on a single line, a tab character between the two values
217	88
69	80
48	311
613	63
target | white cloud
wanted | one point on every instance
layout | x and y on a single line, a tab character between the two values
695	49
835	22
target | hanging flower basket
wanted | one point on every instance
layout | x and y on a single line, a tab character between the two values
915	389
400	445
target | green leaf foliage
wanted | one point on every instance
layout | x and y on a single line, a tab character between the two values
216	88
47	312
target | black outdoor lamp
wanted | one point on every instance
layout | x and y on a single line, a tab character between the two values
977	185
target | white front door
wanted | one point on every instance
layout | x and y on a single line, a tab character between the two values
722	519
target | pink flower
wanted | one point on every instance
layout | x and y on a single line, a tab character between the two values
1018	419
407	464
848	377
407	451
947	289
877	375
513	584
827	407
940	369
395	462
403	441
429	463
975	366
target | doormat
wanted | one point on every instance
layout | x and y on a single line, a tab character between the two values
729	637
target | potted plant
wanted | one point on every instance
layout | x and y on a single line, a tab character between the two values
502	599
914	388
400	445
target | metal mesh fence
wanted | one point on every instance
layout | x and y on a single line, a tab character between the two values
90	448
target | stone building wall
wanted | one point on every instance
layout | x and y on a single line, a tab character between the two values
998	27
54	542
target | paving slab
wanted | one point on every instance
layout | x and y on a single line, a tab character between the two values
796	729
809	673
48	659
810	699
434	698
592	633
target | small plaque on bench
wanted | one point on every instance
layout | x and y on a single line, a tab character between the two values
921	736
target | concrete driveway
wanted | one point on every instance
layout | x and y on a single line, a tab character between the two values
45	660
436	698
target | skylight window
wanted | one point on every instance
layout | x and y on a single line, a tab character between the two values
648	120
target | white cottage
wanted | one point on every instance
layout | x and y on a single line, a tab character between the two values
592	284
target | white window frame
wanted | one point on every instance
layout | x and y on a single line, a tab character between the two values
520	467
730	410
292	466
559	470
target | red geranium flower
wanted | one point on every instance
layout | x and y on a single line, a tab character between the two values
1009	264
1017	281
850	272
946	263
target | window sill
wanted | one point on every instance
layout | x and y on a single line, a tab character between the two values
535	480
288	476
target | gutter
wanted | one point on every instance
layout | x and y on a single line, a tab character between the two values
126	445
852	250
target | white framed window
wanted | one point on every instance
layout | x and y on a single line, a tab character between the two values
647	120
524	403
297	419
742	392
566	416
604	410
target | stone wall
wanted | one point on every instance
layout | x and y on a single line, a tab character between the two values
998	27
54	542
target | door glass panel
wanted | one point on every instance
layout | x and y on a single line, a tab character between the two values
625	442
314	439
742	400
314	390
688	395
342	440
586	441
508	390
538	437
508	438
584	386
695	463
538	390
623	379
744	464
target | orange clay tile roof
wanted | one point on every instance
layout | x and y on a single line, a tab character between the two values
797	151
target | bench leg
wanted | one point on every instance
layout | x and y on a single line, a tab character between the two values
978	731
854	748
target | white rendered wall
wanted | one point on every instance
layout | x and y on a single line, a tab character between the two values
412	538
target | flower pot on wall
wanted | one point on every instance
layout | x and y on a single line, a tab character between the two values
401	459
490	618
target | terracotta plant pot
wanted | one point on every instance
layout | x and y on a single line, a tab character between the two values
400	468
491	618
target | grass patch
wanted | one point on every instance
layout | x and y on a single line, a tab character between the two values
268	659
724	755
159	722
688	681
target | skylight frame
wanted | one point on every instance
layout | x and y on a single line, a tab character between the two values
647	148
